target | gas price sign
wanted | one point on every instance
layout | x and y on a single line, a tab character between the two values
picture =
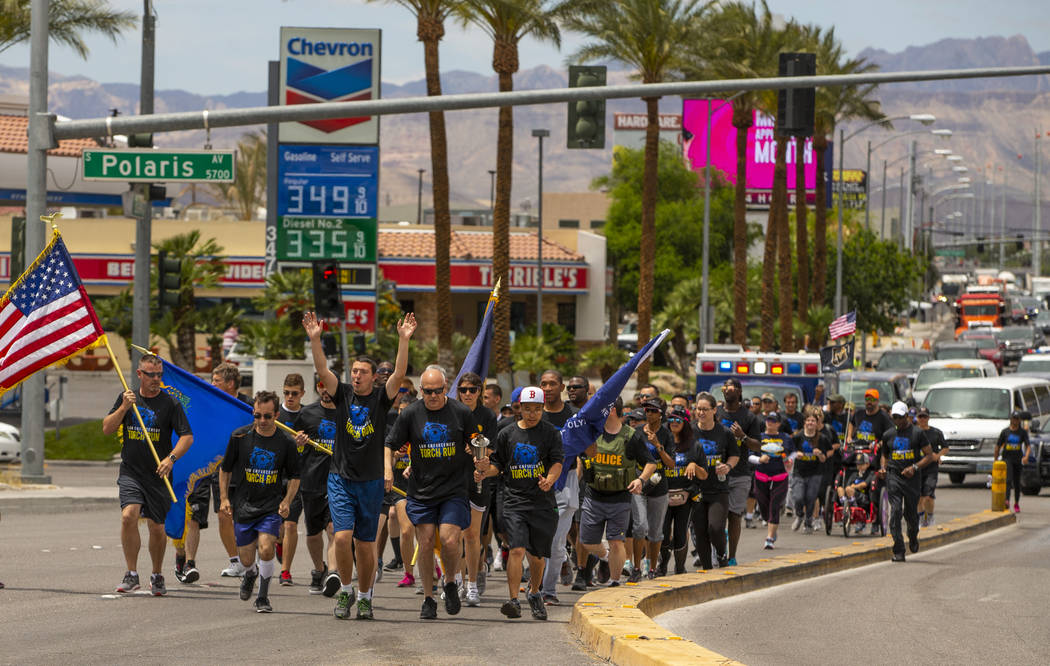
326	203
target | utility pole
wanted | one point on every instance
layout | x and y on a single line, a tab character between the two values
1037	249
140	300
883	200
540	134
908	226
867	190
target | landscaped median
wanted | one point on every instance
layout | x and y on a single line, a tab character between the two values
616	623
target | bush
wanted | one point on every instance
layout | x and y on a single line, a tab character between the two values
83	441
532	355
606	360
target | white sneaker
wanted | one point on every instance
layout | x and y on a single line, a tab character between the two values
379	571
796	524
473	598
645	567
497	562
235	570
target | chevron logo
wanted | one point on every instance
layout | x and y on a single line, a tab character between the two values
309	84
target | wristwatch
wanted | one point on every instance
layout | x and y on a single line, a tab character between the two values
172	457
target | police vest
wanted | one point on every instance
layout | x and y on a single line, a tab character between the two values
611	471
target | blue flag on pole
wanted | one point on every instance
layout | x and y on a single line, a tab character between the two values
477	359
213	415
586	426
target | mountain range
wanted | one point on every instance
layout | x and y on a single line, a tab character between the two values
994	121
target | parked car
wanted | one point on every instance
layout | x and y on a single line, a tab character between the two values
10	443
907	361
935	372
972	412
892	386
1016	341
953	351
628	337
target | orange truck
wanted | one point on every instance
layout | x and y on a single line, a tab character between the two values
986	308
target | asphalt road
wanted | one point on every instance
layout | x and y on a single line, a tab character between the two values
979	601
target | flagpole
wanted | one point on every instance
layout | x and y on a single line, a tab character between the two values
316	445
138	415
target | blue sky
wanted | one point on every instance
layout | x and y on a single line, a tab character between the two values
221	46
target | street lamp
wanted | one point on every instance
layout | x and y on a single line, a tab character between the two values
419	199
492	196
540	134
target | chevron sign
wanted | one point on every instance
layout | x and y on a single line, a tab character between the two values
330	65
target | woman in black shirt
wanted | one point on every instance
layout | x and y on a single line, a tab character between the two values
682	483
721	453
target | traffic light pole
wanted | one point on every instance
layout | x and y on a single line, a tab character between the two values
143	239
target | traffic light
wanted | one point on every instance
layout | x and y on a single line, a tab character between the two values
586	117
1020	242
359	344
140	141
796	106
169	281
980	244
328	298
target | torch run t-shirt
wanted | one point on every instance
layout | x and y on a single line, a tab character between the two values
360	426
318	422
523	455
260	466
442	465
162	415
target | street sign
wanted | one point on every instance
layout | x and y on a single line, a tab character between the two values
158	166
327	203
950	252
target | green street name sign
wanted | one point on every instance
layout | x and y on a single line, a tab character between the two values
304	238
950	252
148	165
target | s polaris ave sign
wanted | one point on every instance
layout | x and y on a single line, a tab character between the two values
159	166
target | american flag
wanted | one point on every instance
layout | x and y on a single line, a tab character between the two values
45	318
844	325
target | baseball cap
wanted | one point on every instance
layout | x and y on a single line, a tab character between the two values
635	415
922	411
678	411
899	409
515	395
872	393
862	459
1016	414
838	397
653	403
772	416
769	396
531	394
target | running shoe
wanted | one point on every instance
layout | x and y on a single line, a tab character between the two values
652	574
482	578
614	583
429	610
286	578
627	569
731	562
539	611
393	565
797	523
262	605
1017	508
566	573
331	584
342	606
580	583
511	608
808	529
769	544
550	600
248	584
279	549
473	597
156	585
317	580
452	604
190	574
129	584
379	570
922	520
235	570
749	522
723	561
179	575
408	581
364	609
636	575
604	574
913	545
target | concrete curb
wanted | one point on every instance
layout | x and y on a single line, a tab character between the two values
616	623
61	504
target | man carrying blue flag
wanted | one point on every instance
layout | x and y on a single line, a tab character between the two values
356	481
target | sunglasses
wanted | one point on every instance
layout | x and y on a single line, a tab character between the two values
468	389
402	390
264	417
652	410
675	419
151	375
576	387
871	399
433	391
292	394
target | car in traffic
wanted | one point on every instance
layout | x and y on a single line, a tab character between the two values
10	443
1016	341
972	412
1034	363
1042	320
935	372
953	351
988	349
892	386
907	361
628	337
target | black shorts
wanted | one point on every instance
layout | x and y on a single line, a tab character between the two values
152	496
390	500
215	495
198	501
479	501
315	512
929	483
295	509
531	529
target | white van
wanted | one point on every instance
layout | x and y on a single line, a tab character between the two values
935	372
972	413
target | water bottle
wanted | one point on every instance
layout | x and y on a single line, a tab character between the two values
654	480
721	478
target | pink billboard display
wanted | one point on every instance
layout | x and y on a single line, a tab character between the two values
761	147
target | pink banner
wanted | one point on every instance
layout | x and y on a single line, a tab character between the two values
761	145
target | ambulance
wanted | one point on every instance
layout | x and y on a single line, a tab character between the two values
761	372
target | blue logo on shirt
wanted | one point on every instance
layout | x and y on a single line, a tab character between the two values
710	448
149	417
326	430
435	433
526	454
262	459
901	443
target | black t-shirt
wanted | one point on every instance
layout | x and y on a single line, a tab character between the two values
676	478
360	428
558	419
870	428
719	446
290	419
837	423
1012	443
903	448
935	438
806	461
505	421
634	450
666	439
442	464
523	455
751	426
775	466
318	422
790	423
857	477
487	420
260	466
163	415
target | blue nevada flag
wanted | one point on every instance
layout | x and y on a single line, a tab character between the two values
586	426
477	359
213	415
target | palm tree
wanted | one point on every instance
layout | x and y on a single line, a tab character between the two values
740	41
430	29
506	22
248	189
201	268
647	35
213	322
67	20
833	105
809	37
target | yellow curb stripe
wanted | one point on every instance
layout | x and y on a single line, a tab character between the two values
616	623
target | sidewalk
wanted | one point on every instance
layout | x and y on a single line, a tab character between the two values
76	485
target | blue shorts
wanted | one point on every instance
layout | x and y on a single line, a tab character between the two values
246	533
453	511
355	506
